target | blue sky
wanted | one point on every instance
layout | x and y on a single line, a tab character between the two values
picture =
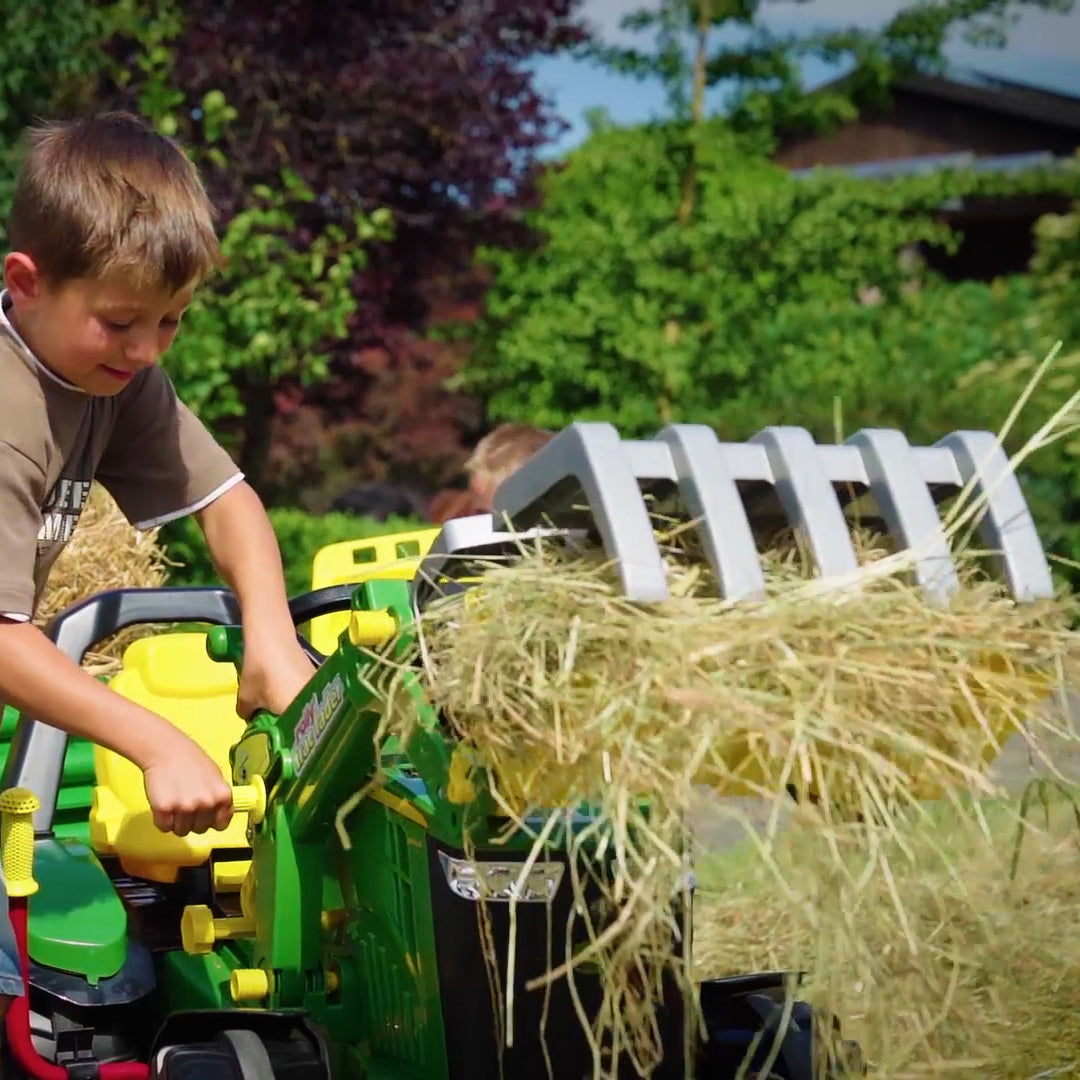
1044	50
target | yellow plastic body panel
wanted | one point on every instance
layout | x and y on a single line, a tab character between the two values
171	675
395	556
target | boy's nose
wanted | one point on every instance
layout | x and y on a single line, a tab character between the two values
142	352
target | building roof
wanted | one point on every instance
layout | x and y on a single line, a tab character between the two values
995	94
930	163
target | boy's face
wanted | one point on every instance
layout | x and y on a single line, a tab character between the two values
95	333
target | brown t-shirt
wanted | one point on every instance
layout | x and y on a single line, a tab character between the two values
143	445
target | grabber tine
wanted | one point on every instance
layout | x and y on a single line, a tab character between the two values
902	495
809	498
1006	525
585	476
590	481
711	495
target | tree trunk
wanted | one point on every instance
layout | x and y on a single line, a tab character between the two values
697	108
255	441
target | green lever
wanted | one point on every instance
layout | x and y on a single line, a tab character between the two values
225	644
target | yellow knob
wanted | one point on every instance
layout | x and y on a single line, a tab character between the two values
251	799
197	931
17	806
371	628
200	931
332	919
249	984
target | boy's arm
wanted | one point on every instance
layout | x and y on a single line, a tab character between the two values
245	552
162	463
185	788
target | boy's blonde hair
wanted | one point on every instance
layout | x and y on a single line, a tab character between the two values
504	449
108	195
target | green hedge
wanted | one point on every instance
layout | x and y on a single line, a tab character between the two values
299	535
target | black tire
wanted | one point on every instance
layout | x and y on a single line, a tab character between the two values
732	1030
237	1054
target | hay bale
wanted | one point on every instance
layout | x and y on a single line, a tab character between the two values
865	697
858	695
105	552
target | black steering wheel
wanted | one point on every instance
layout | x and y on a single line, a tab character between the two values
77	629
311	605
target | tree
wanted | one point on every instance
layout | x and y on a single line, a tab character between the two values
53	61
269	317
425	109
762	71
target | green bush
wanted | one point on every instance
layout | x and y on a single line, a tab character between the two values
299	535
756	309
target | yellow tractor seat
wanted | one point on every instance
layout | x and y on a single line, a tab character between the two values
395	556
170	674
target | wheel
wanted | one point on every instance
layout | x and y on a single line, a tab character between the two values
238	1054
744	1028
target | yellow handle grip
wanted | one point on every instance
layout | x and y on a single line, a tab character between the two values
17	806
371	628
251	799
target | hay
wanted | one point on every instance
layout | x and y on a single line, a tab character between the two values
857	695
988	990
105	552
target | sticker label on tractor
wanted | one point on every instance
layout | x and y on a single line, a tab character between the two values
315	721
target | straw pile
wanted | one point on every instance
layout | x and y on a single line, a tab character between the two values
858	695
947	951
105	552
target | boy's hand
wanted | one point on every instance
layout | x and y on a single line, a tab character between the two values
271	678
186	790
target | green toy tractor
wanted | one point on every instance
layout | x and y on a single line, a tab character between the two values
332	932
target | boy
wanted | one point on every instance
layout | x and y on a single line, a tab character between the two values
498	454
110	233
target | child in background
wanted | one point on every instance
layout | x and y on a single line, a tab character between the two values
500	453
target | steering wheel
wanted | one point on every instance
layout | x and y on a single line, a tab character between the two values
77	629
311	605
226	646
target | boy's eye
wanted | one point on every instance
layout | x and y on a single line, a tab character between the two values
116	325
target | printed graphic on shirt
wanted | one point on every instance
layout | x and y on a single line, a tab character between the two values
61	511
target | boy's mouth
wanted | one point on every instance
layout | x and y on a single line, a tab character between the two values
116	373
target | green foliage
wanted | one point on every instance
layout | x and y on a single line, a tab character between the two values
53	58
149	32
283	296
838	366
270	312
747	313
300	535
1056	270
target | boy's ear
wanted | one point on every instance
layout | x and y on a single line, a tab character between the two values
21	277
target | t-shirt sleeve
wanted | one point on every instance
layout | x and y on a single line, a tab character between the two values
22	491
161	462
